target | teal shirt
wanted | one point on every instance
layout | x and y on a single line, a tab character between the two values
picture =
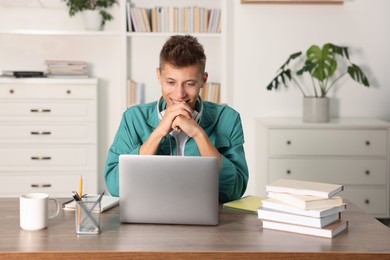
223	126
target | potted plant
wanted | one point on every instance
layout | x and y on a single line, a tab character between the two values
325	67
94	11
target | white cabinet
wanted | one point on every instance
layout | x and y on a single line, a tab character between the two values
48	136
350	151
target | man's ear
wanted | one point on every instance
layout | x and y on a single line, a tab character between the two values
204	78
158	73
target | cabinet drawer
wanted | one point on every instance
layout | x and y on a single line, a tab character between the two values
45	90
373	200
16	158
59	185
47	110
328	142
338	171
47	133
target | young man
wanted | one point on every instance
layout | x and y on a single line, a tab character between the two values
180	123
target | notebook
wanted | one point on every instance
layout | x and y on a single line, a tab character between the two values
163	189
107	202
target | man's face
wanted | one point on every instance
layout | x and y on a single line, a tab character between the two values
181	84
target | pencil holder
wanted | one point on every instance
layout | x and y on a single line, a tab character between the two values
87	217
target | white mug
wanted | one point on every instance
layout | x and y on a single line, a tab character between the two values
34	211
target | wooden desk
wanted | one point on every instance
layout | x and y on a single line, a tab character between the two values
238	235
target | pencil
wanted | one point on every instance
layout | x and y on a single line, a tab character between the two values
81	196
81	187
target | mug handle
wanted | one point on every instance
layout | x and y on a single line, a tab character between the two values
57	208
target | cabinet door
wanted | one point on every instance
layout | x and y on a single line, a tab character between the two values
47	110
343	171
327	142
40	133
47	158
372	200
45	90
58	184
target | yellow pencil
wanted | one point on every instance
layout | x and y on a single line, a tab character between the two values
81	196
81	187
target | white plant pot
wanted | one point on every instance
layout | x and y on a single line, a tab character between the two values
92	20
315	110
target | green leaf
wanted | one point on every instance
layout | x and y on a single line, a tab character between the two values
281	78
358	75
292	57
321	62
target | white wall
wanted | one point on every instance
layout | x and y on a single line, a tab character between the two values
261	37
265	35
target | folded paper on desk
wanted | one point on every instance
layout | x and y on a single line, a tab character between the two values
107	202
247	204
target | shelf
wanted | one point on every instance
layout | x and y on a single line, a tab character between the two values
148	34
59	33
9	80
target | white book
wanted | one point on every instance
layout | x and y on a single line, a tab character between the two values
279	216
317	213
329	231
319	189
306	202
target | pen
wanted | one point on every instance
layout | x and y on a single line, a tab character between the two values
98	200
71	200
76	197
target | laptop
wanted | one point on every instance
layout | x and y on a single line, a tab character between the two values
163	189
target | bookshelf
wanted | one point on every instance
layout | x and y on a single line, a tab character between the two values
141	62
114	55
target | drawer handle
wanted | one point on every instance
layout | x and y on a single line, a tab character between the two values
368	143
367	172
40	133
288	171
68	91
11	91
288	142
40	110
367	201
40	158
40	185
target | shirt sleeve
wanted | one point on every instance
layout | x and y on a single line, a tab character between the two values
233	177
123	143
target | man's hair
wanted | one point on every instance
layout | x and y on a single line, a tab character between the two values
182	51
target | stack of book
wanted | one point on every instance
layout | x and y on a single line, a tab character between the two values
189	19
66	69
22	74
135	93
310	208
210	92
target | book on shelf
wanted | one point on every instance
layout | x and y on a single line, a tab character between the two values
135	93
107	202
211	92
279	216
64	62
306	201
66	69
186	19
248	204
317	213
23	74
325	190
66	76
329	231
